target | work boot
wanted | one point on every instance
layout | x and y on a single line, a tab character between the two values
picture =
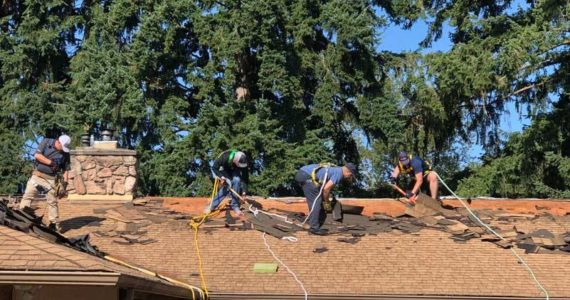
54	227
320	231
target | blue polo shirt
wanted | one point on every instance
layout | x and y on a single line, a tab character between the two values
333	173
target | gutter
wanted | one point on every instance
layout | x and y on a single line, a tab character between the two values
158	288
59	278
240	296
95	279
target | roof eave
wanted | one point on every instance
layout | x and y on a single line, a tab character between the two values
59	277
158	288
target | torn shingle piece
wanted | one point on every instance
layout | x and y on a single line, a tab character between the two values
529	248
446	222
406	227
429	220
380	217
542	233
465	236
352	228
503	244
457	228
320	249
352	240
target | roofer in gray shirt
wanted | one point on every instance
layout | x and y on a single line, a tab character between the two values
51	160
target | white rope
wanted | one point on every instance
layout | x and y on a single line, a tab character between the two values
291	239
256	211
286	267
543	290
318	195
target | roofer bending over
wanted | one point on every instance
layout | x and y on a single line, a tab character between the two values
317	182
230	168
408	165
51	159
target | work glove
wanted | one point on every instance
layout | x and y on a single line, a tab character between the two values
411	196
52	165
393	180
55	164
224	180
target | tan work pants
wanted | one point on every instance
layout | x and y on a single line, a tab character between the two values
32	192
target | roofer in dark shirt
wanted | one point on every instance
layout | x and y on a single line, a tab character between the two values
51	159
420	169
230	168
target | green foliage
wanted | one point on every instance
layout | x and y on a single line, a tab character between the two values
165	76
534	163
14	169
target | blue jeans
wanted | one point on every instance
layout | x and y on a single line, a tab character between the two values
318	215
224	190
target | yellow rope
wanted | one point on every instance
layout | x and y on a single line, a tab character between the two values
154	274
195	223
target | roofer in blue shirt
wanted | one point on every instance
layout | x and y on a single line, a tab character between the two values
413	165
230	168
317	181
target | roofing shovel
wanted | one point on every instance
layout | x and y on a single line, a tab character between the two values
408	202
337	210
333	206
253	203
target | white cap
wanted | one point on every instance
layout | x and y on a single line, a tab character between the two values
64	140
240	160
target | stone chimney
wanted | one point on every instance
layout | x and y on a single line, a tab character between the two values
102	174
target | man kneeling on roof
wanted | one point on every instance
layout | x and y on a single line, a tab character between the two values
408	165
317	181
230	169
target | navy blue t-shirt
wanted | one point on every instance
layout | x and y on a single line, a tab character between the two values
417	166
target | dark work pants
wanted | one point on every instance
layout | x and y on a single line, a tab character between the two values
311	191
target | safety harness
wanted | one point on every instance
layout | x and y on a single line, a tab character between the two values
232	155
409	169
314	177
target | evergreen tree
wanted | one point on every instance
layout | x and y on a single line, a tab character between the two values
288	82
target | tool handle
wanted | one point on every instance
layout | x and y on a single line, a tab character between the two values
238	195
397	188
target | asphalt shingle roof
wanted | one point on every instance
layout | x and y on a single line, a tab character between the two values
394	263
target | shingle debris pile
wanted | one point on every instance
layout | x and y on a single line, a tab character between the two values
26	221
521	230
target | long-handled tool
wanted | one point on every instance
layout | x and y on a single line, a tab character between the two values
246	200
397	188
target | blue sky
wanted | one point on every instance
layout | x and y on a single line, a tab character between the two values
396	39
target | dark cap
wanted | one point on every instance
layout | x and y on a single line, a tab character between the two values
352	168
403	156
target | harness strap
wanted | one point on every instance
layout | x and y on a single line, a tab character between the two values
409	169
314	177
232	155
